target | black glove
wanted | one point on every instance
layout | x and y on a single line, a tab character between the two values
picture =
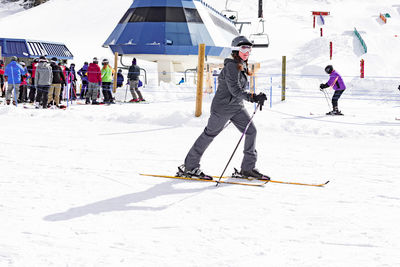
259	99
323	86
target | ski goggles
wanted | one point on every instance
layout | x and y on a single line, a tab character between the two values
243	48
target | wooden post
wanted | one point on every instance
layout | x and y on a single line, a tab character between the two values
314	22
362	68
208	88
115	72
252	81
200	73
254	69
283	78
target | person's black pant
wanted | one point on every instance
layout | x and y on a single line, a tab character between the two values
32	91
3	92
42	94
336	97
23	93
106	88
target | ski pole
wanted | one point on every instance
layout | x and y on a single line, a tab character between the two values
327	98
240	140
67	90
15	93
126	91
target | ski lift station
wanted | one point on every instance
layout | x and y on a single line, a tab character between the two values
169	32
30	49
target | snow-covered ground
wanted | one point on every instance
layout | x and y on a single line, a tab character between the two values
71	193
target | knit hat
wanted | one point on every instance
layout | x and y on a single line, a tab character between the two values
95	60
54	59
134	61
14	58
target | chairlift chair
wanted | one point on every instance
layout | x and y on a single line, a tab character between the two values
230	14
260	39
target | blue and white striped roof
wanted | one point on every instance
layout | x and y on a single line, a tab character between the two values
33	48
172	27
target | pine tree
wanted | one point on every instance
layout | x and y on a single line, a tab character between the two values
30	3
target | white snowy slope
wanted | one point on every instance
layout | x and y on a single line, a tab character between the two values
70	189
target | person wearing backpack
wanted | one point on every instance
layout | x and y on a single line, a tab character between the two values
133	78
12	75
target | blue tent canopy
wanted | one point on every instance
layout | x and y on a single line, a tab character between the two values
32	49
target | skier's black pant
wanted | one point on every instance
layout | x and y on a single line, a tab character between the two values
216	124
3	93
32	91
23	93
106	88
336	97
2	85
42	94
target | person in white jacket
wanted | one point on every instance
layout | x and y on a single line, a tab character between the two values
43	80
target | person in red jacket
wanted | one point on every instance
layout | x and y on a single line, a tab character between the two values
63	85
94	79
23	89
32	72
2	88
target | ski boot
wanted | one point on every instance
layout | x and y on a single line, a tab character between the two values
337	112
195	173
334	112
250	174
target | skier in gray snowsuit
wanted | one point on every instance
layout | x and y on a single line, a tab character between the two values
227	105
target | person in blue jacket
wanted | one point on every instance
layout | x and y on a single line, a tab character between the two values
120	78
12	75
83	74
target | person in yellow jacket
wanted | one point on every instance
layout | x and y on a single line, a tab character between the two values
106	81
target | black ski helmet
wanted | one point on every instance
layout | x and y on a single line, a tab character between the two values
240	40
329	69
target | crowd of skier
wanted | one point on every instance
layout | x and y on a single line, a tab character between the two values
46	83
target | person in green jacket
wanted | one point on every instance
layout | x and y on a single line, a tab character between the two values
106	80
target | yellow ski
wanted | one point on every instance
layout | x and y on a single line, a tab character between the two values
261	183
